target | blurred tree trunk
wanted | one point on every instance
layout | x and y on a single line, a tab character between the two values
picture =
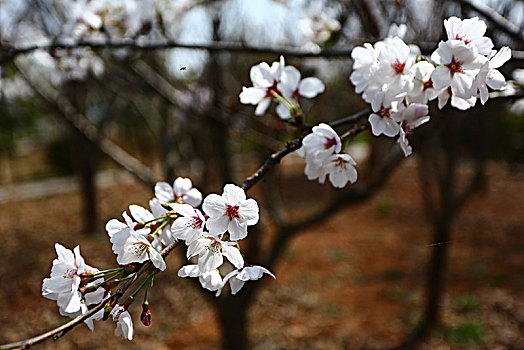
232	313
84	157
443	199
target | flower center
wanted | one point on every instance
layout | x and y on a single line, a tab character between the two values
398	66
138	248
330	143
232	212
273	89
196	222
455	66
427	84
383	112
340	162
458	37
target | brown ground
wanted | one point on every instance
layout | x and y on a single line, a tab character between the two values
354	281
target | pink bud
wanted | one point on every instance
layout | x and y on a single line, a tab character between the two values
145	317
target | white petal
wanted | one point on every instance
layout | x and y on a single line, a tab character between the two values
262	106
233	255
234	194
182	185
217	224
252	95
236	285
441	77
210	260
193	197
214	205
189	271
311	87
183	209
495	79
157	259
283	111
164	192
140	214
249	210
237	229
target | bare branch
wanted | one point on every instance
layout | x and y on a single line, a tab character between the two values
69	114
275	158
10	52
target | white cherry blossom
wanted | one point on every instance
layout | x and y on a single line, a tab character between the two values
237	278
265	80
230	212
181	191
381	119
470	31
189	225
341	170
395	63
320	144
124	322
458	66
64	283
293	89
211	251
130	246
490	76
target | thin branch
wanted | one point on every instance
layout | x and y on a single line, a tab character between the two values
10	52
275	158
69	114
353	195
496	19
351	119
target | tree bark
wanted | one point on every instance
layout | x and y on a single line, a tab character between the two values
232	313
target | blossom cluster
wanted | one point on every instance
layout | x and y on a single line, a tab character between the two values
173	216
322	147
282	84
399	82
321	150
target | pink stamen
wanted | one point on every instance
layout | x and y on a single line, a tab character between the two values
455	66
232	212
398	66
330	143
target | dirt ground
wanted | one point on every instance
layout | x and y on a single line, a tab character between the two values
354	281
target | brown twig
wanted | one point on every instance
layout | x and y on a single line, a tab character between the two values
223	46
69	114
275	158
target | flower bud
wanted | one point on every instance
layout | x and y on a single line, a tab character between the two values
139	225
129	268
166	206
145	317
108	307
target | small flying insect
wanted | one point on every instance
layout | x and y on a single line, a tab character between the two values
183	67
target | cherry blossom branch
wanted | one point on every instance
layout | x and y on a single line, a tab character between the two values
221	46
496	19
65	328
353	195
275	158
78	121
